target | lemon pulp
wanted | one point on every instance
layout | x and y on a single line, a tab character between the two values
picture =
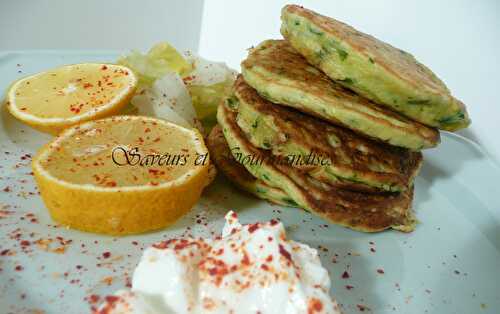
123	174
61	97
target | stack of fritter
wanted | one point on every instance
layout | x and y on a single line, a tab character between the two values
331	120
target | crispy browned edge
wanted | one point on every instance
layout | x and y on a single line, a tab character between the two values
359	211
232	170
310	132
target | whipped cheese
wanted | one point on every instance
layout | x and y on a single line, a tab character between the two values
249	269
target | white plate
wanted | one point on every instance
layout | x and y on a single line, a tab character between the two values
449	264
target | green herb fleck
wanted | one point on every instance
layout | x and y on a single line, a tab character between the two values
266	145
457	117
320	54
418	101
348	80
255	124
232	103
315	31
265	177
342	54
371	60
297	23
290	201
260	190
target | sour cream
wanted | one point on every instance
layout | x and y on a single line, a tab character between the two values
249	269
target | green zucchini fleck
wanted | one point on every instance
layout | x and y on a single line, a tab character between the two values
320	54
261	191
457	117
315	32
232	103
334	45
342	54
290	201
348	80
418	101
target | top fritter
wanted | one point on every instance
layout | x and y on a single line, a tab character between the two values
372	68
281	75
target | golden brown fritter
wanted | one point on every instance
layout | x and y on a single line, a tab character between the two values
373	68
360	211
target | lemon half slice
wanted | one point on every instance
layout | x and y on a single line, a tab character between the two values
53	100
122	175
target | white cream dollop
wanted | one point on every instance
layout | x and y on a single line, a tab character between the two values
250	269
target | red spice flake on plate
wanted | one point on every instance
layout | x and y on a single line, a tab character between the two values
322	248
25	243
59	250
349	287
345	275
43	243
106	254
164	244
362	307
128	282
380	271
5	213
107	280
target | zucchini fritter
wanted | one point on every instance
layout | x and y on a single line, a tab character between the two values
281	75
373	68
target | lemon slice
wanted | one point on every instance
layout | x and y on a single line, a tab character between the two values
122	175
53	100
